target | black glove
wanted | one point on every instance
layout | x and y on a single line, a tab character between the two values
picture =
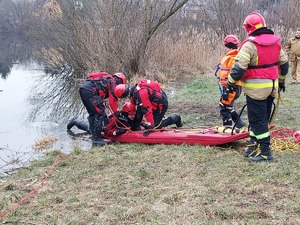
230	87
119	131
116	114
282	86
146	126
122	118
225	94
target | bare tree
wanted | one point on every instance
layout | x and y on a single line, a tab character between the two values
285	17
136	36
151	24
107	35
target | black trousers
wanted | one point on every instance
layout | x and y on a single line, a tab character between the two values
259	113
227	111
97	117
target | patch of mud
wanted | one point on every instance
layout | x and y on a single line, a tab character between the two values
208	112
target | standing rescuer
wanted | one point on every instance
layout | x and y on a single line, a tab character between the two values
229	115
293	50
257	64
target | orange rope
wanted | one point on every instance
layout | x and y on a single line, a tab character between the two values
282	133
33	191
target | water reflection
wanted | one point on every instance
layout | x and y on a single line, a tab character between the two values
6	58
36	100
55	95
13	50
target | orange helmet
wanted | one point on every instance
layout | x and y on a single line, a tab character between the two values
121	91
129	108
231	39
253	22
121	76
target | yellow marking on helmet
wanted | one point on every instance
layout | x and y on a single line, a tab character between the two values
258	26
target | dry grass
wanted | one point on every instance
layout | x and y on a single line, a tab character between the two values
43	143
160	184
144	184
171	58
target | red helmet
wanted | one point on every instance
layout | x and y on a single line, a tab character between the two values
231	39
121	91
121	76
129	108
253	22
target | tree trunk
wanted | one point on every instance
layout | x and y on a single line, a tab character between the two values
150	28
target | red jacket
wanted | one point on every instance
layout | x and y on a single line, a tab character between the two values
148	95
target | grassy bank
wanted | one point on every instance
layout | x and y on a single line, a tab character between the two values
160	184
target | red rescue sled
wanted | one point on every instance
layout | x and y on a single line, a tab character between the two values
192	136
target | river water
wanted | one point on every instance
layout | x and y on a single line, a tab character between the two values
19	133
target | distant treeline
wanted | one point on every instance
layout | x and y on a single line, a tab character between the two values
138	37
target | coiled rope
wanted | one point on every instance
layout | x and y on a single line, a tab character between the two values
283	140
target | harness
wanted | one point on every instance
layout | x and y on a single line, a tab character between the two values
101	81
263	66
154	95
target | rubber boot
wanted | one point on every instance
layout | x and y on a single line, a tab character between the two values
176	119
165	122
265	151
78	123
226	114
97	139
96	133
252	148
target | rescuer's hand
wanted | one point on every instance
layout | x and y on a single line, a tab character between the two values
282	86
